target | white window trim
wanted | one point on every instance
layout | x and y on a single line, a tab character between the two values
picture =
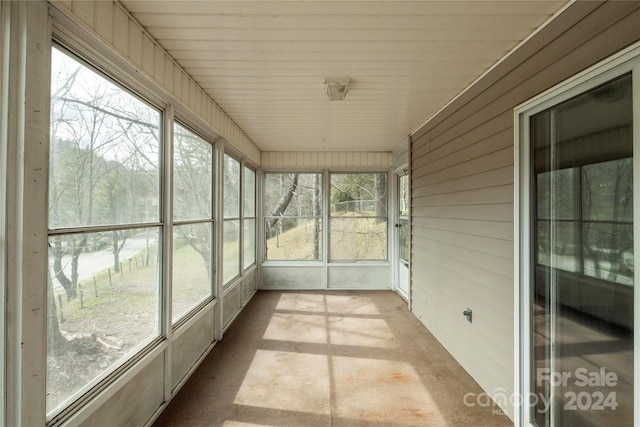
623	62
5	22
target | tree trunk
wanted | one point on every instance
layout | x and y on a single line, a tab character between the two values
58	272
117	244
53	327
284	201
76	250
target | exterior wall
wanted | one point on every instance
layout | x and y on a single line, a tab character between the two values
113	25
463	195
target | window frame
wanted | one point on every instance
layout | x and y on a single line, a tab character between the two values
5	23
386	218
191	312
624	62
322	217
146	347
246	267
239	219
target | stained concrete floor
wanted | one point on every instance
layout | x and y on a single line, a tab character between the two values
348	358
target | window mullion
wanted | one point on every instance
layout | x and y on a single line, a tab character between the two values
167	242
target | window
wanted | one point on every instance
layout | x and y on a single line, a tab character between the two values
581	285
358	216
193	221
293	216
103	289
231	224
249	215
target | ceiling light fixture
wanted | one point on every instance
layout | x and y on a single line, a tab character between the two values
337	89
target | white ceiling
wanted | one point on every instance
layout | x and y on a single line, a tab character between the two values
264	62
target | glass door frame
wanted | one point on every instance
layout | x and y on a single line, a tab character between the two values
397	217
624	62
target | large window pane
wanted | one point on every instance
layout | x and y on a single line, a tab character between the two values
358	216
231	187
103	305
358	239
249	218
293	239
249	193
559	245
558	195
192	281
104	151
608	251
249	242
231	250
608	191
192	176
293	220
293	194
359	194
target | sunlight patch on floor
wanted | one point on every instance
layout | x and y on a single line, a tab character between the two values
363	388
361	332
306	328
287	381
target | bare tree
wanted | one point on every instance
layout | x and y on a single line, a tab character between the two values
284	201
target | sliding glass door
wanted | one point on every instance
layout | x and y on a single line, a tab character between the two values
577	252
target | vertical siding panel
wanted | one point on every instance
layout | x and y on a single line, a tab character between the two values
349	159
204	105
184	79
300	159
67	3
135	43
313	160
370	159
169	75
209	111
194	99
104	20
158	65
307	159
148	49
84	11
269	159
120	31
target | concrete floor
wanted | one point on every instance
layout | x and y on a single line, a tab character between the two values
348	358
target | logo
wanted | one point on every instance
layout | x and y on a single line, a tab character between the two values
590	391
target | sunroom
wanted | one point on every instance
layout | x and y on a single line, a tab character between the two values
164	162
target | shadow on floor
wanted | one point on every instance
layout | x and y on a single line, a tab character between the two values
322	358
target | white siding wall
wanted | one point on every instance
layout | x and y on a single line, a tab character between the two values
462	189
328	159
114	26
